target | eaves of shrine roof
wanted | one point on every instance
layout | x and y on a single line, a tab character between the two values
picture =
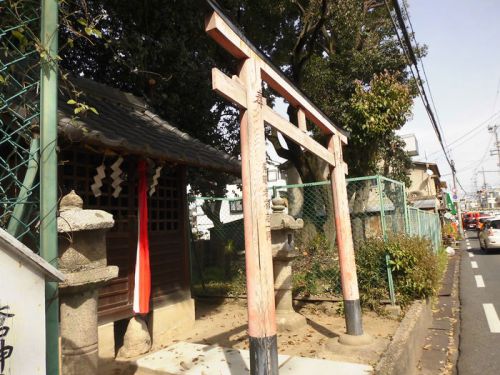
125	124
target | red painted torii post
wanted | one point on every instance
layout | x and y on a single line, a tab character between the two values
245	90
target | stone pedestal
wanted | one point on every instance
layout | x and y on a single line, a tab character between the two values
137	340
282	228
82	259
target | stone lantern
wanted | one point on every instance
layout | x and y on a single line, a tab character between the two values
82	259
282	239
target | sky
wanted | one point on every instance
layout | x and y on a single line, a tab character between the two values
463	71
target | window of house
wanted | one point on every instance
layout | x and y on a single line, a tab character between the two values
236	206
272	175
283	174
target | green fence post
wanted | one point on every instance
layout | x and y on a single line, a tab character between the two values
19	212
419	223
440	233
381	203
48	175
407	219
392	293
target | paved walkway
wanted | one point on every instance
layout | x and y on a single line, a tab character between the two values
440	347
197	359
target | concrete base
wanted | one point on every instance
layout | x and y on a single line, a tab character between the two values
167	321
394	311
187	358
106	341
358	340
290	321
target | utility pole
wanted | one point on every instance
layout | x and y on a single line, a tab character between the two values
483	190
484	179
455	196
496	148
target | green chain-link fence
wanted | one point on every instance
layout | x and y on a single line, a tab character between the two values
425	224
218	239
19	144
217	244
377	207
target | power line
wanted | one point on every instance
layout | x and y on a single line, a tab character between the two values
473	130
412	59
484	155
459	184
496	96
424	71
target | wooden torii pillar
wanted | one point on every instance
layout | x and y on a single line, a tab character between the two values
245	90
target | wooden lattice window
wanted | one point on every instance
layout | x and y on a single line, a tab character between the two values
164	204
167	237
78	171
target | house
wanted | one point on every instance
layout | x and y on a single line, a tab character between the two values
231	207
98	158
217	222
425	189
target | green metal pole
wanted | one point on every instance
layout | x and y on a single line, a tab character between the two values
48	175
407	218
418	222
382	211
392	293
20	210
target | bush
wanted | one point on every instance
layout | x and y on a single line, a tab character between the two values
372	273
416	270
315	271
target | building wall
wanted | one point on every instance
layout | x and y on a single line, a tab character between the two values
421	183
231	210
22	289
168	243
172	309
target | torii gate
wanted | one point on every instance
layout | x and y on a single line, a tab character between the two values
245	90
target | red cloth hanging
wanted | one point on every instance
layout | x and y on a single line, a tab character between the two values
142	288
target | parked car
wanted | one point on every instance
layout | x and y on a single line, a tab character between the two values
469	220
489	236
482	221
470	223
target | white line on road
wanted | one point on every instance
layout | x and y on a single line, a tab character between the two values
492	317
469	247
471	255
479	281
473	264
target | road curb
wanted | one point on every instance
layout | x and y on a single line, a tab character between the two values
422	329
404	351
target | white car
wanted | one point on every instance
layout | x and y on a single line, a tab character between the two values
489	237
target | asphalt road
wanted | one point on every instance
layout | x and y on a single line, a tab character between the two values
479	345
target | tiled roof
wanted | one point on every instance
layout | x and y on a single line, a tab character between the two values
125	124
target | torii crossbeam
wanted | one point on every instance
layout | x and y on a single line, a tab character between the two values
245	90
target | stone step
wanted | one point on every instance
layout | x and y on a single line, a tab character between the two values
198	359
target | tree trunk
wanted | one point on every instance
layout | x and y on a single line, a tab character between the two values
361	192
295	195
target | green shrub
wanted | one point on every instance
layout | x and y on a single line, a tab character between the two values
315	271
416	270
415	267
372	273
